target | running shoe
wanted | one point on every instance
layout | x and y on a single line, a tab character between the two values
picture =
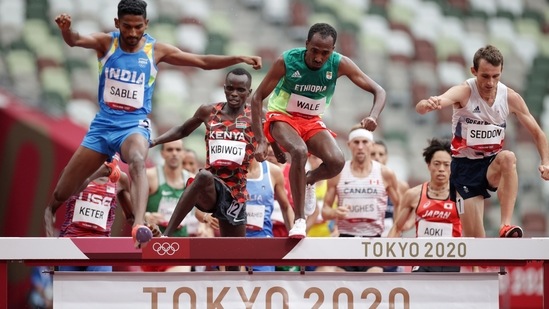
141	235
114	176
299	229
310	199
510	231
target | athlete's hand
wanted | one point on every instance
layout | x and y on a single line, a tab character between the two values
544	170
254	61
433	103
369	123
262	150
63	22
211	221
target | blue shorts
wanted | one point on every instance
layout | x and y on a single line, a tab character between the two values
107	133
468	178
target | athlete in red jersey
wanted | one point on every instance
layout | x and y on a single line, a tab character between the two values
430	204
220	188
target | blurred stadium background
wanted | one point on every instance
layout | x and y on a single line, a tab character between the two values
413	48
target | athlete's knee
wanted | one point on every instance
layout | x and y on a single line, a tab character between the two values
203	178
507	160
60	195
334	161
299	154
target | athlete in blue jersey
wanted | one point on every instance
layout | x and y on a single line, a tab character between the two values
265	185
128	60
302	82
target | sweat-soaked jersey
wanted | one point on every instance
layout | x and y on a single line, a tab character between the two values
230	146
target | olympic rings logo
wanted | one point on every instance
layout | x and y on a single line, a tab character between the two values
165	248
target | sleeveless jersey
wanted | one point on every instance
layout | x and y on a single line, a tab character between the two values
165	199
367	199
479	129
436	218
230	146
126	80
91	212
260	205
302	90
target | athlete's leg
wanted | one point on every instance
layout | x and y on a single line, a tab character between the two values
472	218
324	146
502	174
200	192
82	165
134	151
287	137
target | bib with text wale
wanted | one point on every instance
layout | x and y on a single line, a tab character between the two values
434	229
304	105
91	213
226	152
255	217
363	209
124	96
484	135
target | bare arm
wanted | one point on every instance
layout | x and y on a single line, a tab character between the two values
348	68
200	116
280	195
391	186
267	85
172	55
407	210
457	95
520	109
97	41
329	213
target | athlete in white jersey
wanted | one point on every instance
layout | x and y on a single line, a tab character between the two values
362	189
481	106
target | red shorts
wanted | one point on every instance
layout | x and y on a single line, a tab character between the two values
306	126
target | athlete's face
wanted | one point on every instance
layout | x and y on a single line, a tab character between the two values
379	153
190	162
319	50
360	148
487	76
172	153
132	28
439	167
237	89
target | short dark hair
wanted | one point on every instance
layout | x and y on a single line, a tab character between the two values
132	7
325	30
382	143
436	145
240	71
489	53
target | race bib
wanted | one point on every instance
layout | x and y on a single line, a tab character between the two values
434	229
304	105
255	217
226	152
484	135
166	207
363	209
123	96
91	213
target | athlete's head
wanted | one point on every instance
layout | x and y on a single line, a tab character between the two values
438	158
379	152
487	68
320	45
190	161
173	153
360	143
238	83
132	21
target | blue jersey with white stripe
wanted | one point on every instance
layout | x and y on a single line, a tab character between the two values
126	80
262	193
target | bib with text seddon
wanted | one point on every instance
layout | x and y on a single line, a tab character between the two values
484	135
91	214
124	96
434	229
226	152
255	217
361	210
304	105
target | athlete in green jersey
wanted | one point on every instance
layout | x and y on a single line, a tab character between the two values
302	82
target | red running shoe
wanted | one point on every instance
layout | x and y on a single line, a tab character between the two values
510	231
